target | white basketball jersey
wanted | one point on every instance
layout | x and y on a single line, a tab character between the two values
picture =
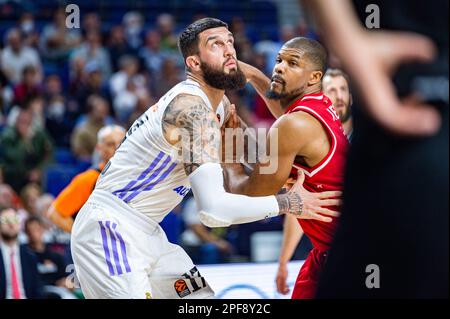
144	172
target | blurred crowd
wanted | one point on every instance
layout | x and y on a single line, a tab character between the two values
60	86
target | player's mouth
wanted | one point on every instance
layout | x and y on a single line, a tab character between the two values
231	63
277	79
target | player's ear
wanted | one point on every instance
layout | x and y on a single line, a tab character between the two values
193	63
315	77
350	100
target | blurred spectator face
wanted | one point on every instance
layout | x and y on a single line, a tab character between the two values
27	23
133	22
165	24
53	85
218	60
15	40
23	123
117	35
99	109
36	105
95	79
30	76
129	65
35	231
9	224
29	196
60	18
153	39
6	196
91	22
337	89
108	145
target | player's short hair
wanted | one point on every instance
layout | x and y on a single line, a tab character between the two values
188	40
337	72
314	52
108	129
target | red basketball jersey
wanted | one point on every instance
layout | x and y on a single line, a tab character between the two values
328	174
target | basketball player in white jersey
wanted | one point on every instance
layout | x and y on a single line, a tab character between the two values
118	248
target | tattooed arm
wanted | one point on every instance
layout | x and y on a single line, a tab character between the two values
190	124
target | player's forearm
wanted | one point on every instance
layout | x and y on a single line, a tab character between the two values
292	234
261	83
218	208
235	178
65	223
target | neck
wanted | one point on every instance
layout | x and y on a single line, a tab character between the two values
285	103
214	95
348	126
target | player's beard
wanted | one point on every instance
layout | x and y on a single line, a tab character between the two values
282	95
220	80
344	115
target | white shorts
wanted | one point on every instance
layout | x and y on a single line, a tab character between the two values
120	253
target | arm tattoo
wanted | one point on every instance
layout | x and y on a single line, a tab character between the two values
196	129
290	203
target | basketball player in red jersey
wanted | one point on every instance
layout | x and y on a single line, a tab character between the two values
311	141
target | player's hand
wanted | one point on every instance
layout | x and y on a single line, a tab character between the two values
314	204
281	279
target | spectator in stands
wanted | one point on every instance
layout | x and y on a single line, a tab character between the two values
26	150
127	85
166	27
16	56
28	86
8	198
133	23
92	50
118	46
270	48
205	245
6	97
29	195
143	102
51	265
84	137
92	84
28	29
169	76
73	197
91	22
57	41
151	54
19	277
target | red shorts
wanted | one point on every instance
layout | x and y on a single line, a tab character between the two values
308	278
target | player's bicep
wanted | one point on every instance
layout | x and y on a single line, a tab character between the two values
188	121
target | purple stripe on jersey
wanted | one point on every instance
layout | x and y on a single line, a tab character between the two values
123	248
114	248
150	186
122	192
106	249
148	180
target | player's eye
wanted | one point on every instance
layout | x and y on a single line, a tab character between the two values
278	60
293	63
